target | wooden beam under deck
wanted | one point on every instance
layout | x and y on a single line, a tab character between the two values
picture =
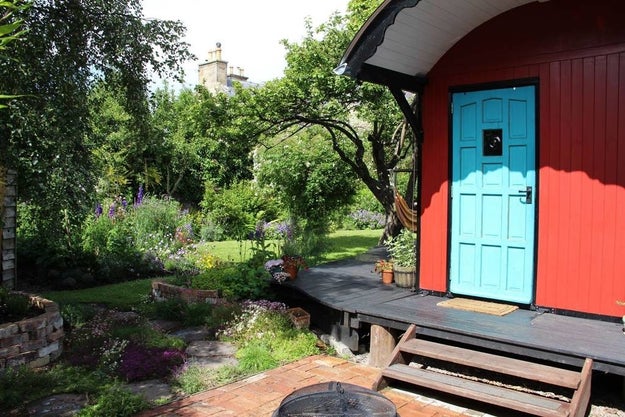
352	287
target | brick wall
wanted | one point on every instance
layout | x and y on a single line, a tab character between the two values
35	341
164	291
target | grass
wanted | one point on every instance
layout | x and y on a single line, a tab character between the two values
126	295
122	296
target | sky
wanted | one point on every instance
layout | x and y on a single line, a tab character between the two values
249	30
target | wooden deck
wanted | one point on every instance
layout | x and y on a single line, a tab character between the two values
355	293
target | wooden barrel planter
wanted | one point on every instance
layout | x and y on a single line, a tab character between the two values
405	276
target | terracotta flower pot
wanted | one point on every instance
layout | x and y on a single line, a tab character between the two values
387	277
291	270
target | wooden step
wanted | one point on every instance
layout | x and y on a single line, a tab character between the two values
496	363
491	394
465	360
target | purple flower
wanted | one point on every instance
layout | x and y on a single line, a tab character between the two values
284	230
140	362
124	203
98	210
112	211
139	199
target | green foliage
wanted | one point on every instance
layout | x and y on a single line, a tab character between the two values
115	401
310	179
9	31
199	378
402	248
202	138
20	385
123	296
76	315
361	121
235	281
132	240
265	337
145	335
67	47
256	357
236	210
13	306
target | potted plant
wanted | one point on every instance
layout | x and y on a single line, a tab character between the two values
385	269
403	254
291	264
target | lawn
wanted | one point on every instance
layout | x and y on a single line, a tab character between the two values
341	245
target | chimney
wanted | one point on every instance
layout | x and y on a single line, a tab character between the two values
215	54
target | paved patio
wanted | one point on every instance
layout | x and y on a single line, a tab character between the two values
260	395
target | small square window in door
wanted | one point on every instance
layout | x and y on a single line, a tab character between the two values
492	142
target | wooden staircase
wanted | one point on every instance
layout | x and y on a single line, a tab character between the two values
410	350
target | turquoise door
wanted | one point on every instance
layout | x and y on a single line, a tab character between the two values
493	194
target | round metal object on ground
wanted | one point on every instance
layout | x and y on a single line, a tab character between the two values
334	399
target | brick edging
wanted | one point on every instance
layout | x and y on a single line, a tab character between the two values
35	341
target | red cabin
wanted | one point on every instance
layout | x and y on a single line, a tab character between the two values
522	193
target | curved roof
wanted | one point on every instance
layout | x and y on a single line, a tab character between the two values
403	39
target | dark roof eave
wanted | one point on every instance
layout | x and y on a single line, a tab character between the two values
391	79
367	40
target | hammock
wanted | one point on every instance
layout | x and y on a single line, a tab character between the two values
407	216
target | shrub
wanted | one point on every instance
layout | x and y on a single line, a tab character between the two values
197	378
237	209
132	241
256	357
115	401
140	362
365	219
13	306
21	385
235	281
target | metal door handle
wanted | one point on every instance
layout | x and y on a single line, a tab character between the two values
528	194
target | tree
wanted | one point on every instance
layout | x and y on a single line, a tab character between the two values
308	177
69	46
9	31
362	121
204	139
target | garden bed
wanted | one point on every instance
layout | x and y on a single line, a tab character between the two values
162	291
34	341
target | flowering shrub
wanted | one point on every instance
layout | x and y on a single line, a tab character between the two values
383	265
265	336
365	219
279	268
274	267
123	344
120	239
140	363
258	319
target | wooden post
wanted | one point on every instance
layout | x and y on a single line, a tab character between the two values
381	346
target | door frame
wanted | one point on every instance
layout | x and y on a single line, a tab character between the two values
523	82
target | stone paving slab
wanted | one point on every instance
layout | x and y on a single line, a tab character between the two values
210	348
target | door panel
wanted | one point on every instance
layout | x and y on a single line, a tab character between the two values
492	215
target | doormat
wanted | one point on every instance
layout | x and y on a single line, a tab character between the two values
477	306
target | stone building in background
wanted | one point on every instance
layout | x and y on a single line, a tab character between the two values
218	77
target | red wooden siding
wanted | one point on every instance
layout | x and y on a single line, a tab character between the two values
576	51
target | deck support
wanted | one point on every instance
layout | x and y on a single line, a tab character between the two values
346	331
381	346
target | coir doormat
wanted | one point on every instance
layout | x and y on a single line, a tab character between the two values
477	306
